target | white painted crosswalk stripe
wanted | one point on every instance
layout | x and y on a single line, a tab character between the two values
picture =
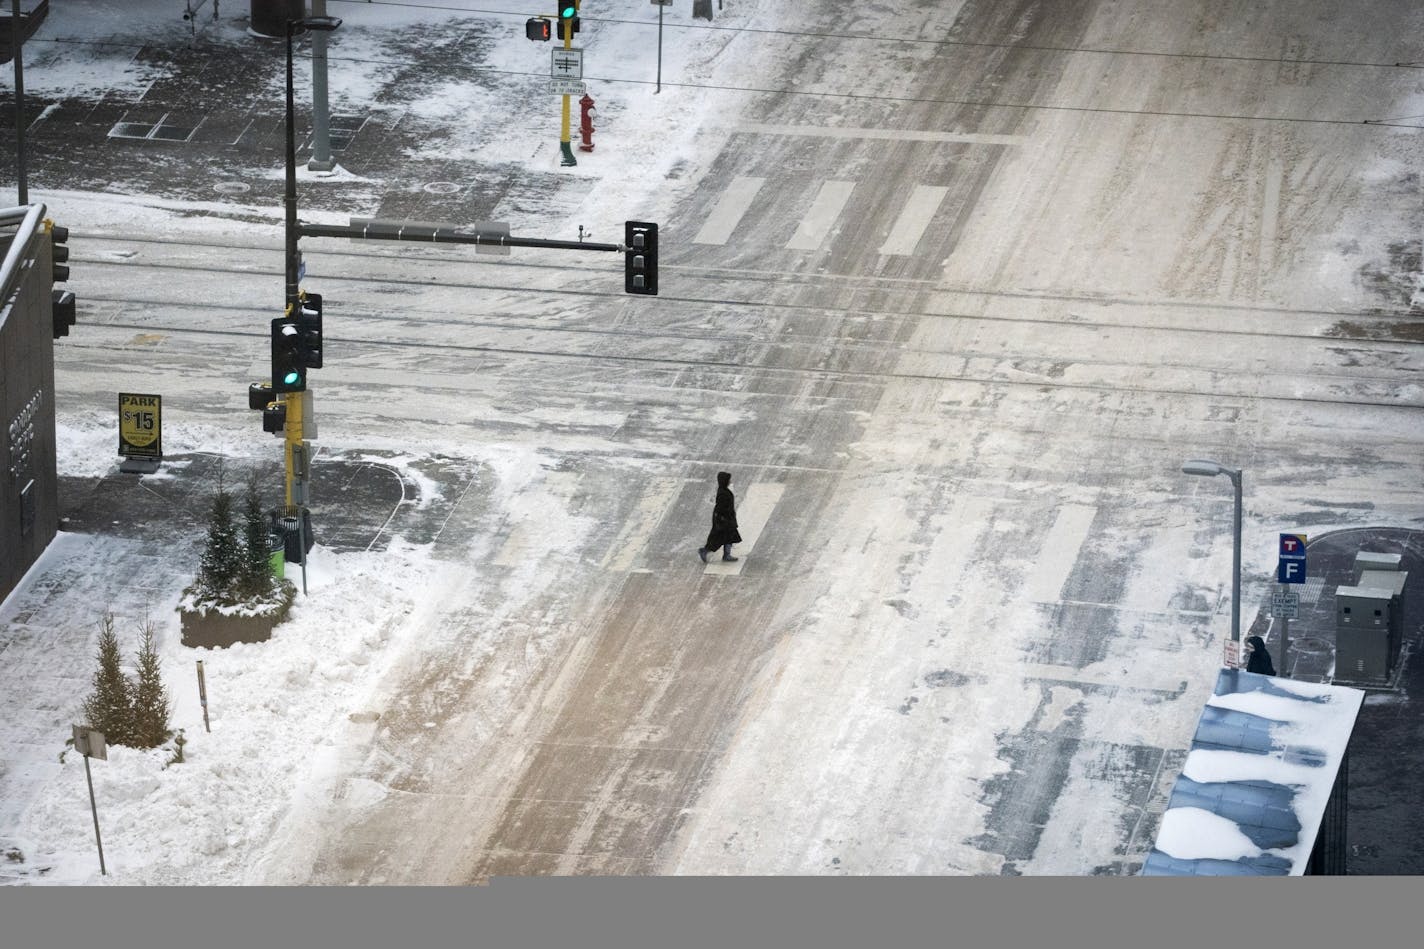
1059	552
725	217
637	532
913	220
753	512
821	215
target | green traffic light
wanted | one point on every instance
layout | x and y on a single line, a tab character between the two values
291	377
567	10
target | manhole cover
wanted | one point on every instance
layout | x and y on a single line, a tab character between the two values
442	187
232	187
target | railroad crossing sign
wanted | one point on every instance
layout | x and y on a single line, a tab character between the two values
1285	605
566	64
566	87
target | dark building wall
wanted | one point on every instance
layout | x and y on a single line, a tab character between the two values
29	503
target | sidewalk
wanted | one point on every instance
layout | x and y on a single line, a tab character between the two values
1386	756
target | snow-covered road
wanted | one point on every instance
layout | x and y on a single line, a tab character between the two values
953	312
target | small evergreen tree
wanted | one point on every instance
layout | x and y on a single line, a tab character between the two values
256	575
150	698
221	565
110	707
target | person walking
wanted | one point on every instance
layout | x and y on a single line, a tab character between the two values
724	521
1259	660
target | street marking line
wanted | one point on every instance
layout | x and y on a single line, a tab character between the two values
569	669
822	213
752	514
914	219
729	210
637	532
1059	552
899	135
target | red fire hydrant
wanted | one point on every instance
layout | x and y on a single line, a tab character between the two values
586	123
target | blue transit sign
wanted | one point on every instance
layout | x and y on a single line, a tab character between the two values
1290	568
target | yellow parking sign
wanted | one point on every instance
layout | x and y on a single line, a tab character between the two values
140	425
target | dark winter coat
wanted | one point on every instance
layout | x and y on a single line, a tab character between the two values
1259	660
724	515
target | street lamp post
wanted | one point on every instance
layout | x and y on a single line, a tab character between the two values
1211	469
324	24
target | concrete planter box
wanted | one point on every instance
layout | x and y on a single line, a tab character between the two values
211	629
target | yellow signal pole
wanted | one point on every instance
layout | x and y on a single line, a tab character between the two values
564	145
294	437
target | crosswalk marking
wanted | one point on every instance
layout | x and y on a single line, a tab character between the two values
898	135
910	226
822	213
752	514
725	217
638	530
1059	552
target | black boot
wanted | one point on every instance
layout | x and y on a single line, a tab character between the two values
702	552
727	554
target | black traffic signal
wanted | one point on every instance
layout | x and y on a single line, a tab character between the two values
538	28
61	312
289	371
640	257
274	417
61	301
274	413
568	19
58	252
309	329
259	394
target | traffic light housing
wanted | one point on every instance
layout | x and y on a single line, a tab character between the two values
538	28
259	394
568	19
274	417
61	312
58	251
61	301
640	257
309	329
289	372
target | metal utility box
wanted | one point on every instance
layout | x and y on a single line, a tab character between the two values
1370	560
1393	581
1362	624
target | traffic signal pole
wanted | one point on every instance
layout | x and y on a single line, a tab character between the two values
443	235
294	435
566	27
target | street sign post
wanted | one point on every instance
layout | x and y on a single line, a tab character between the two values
90	743
1285	605
566	63
1290	569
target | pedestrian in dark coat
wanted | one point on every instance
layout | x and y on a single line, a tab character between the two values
1259	660
724	521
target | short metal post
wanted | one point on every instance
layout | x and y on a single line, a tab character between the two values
203	695
95	809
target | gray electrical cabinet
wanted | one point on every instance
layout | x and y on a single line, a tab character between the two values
1362	640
